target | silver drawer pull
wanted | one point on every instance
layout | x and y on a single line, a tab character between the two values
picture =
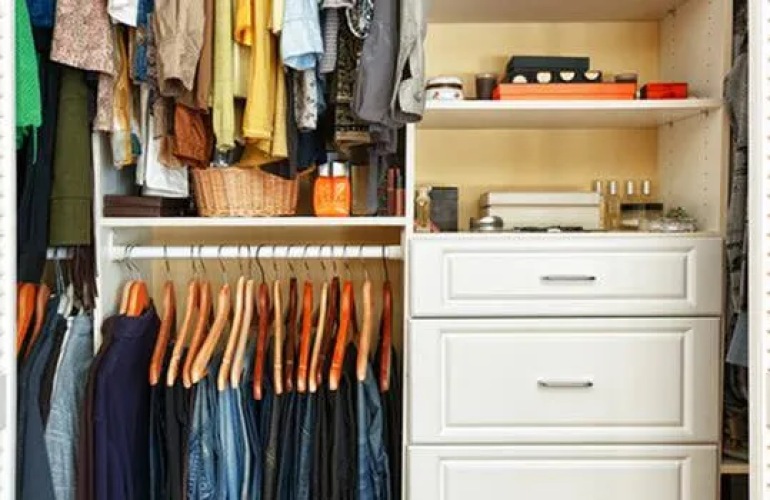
565	384
568	278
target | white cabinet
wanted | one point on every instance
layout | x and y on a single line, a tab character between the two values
564	381
563	473
567	275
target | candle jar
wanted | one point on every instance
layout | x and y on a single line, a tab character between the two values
331	192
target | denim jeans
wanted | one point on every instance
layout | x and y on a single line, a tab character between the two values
286	449
61	434
204	443
230	442
306	424
373	473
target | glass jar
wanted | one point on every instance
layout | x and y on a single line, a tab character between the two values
363	182
331	192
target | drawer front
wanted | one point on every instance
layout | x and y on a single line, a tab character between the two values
564	381
503	276
565	473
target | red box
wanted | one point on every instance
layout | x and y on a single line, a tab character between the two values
665	91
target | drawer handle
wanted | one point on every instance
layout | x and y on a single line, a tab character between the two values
568	278
565	384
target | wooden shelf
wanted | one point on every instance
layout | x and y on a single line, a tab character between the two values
496	11
561	114
246	222
733	467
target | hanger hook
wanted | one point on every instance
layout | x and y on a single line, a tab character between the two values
248	260
259	263
275	262
200	261
346	263
192	263
222	264
363	262
240	260
304	261
385	264
166	264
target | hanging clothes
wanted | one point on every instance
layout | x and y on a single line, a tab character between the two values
223	107
28	104
72	191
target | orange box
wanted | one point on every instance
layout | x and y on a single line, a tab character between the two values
565	91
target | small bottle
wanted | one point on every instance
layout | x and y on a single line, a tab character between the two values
422	210
598	187
331	192
630	194
644	200
613	206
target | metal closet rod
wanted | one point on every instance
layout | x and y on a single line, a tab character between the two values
131	252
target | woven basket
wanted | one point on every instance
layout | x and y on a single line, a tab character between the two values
243	192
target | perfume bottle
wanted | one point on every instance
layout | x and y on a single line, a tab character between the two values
613	206
422	210
598	187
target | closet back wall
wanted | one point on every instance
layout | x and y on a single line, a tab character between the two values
501	159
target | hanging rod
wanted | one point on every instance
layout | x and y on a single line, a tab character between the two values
122	252
58	253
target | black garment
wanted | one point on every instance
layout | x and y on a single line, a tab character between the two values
287	462
85	454
392	429
272	446
344	452
49	371
178	417
31	455
320	475
158	451
35	171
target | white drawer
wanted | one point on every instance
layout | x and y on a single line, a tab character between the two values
556	275
564	381
563	473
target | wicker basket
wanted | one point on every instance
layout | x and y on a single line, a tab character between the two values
243	192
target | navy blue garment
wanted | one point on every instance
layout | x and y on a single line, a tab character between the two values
253	437
33	477
344	456
158	451
306	416
392	429
122	411
287	462
273	419
41	13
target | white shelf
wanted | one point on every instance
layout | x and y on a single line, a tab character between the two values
497	11
246	222
561	114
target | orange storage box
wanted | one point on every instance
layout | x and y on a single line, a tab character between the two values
565	91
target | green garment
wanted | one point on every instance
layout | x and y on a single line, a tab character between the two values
72	192
223	112
28	107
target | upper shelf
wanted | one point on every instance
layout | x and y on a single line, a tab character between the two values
497	11
561	114
246	222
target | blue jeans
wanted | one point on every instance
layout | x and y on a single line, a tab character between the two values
373	470
204	443
231	443
61	433
306	424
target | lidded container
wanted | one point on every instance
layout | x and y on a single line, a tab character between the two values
363	181
331	192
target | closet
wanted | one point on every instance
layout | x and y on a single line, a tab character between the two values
580	366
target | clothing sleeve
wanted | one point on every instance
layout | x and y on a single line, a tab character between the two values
179	28
409	97
301	43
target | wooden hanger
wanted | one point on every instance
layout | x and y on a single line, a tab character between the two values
125	296
25	311
198	334
290	344
386	334
342	336
138	300
319	336
164	333
246	323
41	303
193	304
304	343
235	332
263	301
330	331
201	363
278	344
365	338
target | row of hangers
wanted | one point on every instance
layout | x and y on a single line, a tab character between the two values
256	307
32	302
